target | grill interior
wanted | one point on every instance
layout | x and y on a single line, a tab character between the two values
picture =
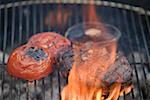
21	20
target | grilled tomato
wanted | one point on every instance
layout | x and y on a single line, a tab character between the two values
50	40
30	63
35	59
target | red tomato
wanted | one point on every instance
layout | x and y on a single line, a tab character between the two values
34	60
25	62
50	40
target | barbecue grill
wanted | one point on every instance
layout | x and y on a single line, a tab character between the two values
20	20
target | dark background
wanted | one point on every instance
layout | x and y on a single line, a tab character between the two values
35	20
142	3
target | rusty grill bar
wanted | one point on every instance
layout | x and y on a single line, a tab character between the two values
22	19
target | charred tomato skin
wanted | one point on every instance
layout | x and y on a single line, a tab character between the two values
57	45
35	59
24	66
49	40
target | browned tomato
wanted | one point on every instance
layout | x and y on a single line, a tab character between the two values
35	59
50	40
30	63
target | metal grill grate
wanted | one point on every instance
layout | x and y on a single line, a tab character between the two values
22	19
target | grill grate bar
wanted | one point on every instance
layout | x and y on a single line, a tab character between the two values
132	93
59	85
148	24
62	32
129	38
4	45
148	27
96	2
119	22
27	36
51	87
130	46
27	22
34	11
34	18
20	41
48	9
43	89
62	12
5	33
139	63
124	96
34	32
144	40
12	44
138	47
41	18
55	86
13	27
27	91
1	74
76	17
20	24
141	60
58	29
50	76
41	30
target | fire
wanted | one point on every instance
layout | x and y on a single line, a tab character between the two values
76	90
57	18
84	82
87	77
91	62
89	13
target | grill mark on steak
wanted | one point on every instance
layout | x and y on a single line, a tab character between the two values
120	71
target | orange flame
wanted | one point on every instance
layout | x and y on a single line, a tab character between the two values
76	90
57	18
89	13
84	78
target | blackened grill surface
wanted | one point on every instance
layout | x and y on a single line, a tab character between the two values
19	21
